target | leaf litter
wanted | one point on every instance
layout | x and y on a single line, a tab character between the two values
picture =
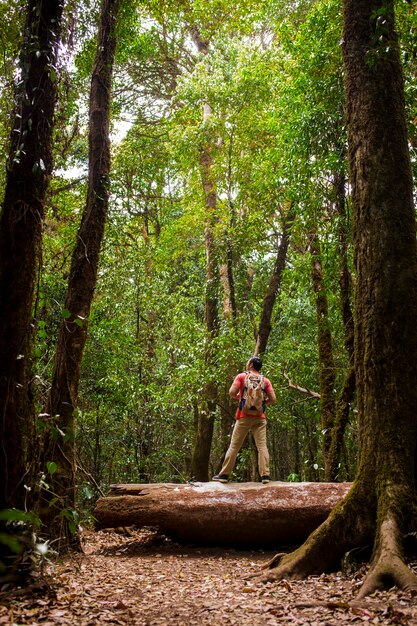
141	578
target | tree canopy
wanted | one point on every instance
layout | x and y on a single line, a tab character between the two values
227	190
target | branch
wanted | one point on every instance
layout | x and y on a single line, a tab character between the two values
74	183
291	385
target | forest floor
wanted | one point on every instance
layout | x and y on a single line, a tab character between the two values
141	578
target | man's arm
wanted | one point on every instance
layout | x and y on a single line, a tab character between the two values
270	396
234	392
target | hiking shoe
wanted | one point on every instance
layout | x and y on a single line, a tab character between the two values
221	478
265	480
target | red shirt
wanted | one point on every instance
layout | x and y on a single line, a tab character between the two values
239	381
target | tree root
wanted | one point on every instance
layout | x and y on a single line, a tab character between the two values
388	568
274	562
324	548
294	566
313	557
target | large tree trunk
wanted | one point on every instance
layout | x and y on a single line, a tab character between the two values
62	400
28	171
381	505
240	515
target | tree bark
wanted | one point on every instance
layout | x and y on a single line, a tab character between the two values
241	515
381	505
265	327
205	428
230	308
347	393
62	400
345	278
327	374
28	172
343	405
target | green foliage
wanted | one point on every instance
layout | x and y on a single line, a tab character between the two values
407	29
11	26
273	79
17	526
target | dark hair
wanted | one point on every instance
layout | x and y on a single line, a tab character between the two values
256	363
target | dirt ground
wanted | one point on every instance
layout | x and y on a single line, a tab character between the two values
141	578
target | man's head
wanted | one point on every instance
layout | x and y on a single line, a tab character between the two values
254	363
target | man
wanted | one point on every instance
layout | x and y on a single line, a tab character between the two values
246	387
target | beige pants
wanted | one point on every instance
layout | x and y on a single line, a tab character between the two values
257	426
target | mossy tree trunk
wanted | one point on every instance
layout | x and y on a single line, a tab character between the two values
28	171
380	507
58	505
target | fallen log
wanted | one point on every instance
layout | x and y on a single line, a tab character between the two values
236	515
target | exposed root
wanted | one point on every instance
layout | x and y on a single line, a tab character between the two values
274	562
351	524
323	550
320	553
387	573
283	566
293	566
389	568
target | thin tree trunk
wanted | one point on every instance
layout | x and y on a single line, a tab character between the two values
145	426
227	412
227	405
343	405
205	429
204	435
265	327
227	282
347	393
345	279
335	411
325	349
62	400
28	172
231	292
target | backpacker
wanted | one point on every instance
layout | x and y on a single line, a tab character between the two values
253	396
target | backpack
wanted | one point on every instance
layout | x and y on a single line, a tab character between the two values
253	396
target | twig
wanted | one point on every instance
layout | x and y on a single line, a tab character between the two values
91	478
